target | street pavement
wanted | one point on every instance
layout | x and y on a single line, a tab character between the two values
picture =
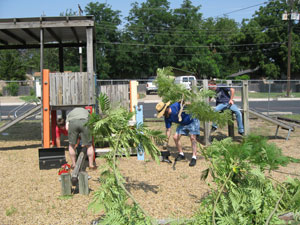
274	106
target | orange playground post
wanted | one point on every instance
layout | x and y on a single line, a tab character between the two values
46	109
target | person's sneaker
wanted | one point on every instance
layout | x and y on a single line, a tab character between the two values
241	133
213	129
180	157
166	159
193	162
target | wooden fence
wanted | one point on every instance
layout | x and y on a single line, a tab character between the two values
71	89
118	94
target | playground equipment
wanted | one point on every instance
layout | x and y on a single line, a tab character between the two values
19	118
246	111
274	121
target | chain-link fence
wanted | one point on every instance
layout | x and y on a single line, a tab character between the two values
266	96
17	88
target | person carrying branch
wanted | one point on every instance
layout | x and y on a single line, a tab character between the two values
224	100
186	126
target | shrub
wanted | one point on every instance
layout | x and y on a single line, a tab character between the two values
13	88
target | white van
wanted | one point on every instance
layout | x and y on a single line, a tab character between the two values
186	81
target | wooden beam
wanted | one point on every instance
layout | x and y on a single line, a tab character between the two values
31	34
10	34
53	34
46	24
54	45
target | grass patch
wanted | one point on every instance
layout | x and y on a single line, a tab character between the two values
24	130
272	95
10	211
141	95
292	117
65	197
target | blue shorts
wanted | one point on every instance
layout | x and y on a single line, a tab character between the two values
192	128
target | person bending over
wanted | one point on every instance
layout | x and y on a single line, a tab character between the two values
76	125
187	126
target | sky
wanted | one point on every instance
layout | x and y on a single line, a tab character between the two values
237	9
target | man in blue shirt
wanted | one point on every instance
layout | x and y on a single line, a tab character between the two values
224	100
186	126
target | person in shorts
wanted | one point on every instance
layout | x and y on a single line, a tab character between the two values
76	126
188	126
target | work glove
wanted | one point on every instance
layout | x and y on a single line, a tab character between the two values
165	146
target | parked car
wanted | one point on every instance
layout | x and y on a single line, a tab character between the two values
150	86
186	81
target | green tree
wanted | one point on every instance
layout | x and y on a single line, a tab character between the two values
12	65
107	33
267	34
148	29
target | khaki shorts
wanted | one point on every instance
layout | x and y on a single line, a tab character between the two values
76	128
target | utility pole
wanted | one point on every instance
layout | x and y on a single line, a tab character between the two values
289	16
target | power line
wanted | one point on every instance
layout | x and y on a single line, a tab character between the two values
186	46
224	34
195	54
242	9
164	29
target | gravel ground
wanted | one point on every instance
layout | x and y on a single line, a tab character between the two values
32	196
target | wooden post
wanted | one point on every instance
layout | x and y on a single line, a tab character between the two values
46	109
83	183
78	168
133	96
53	126
140	120
206	124
41	70
90	64
230	124
66	186
89	50
245	107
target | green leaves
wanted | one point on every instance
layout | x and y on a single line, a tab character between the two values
197	107
242	193
112	126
